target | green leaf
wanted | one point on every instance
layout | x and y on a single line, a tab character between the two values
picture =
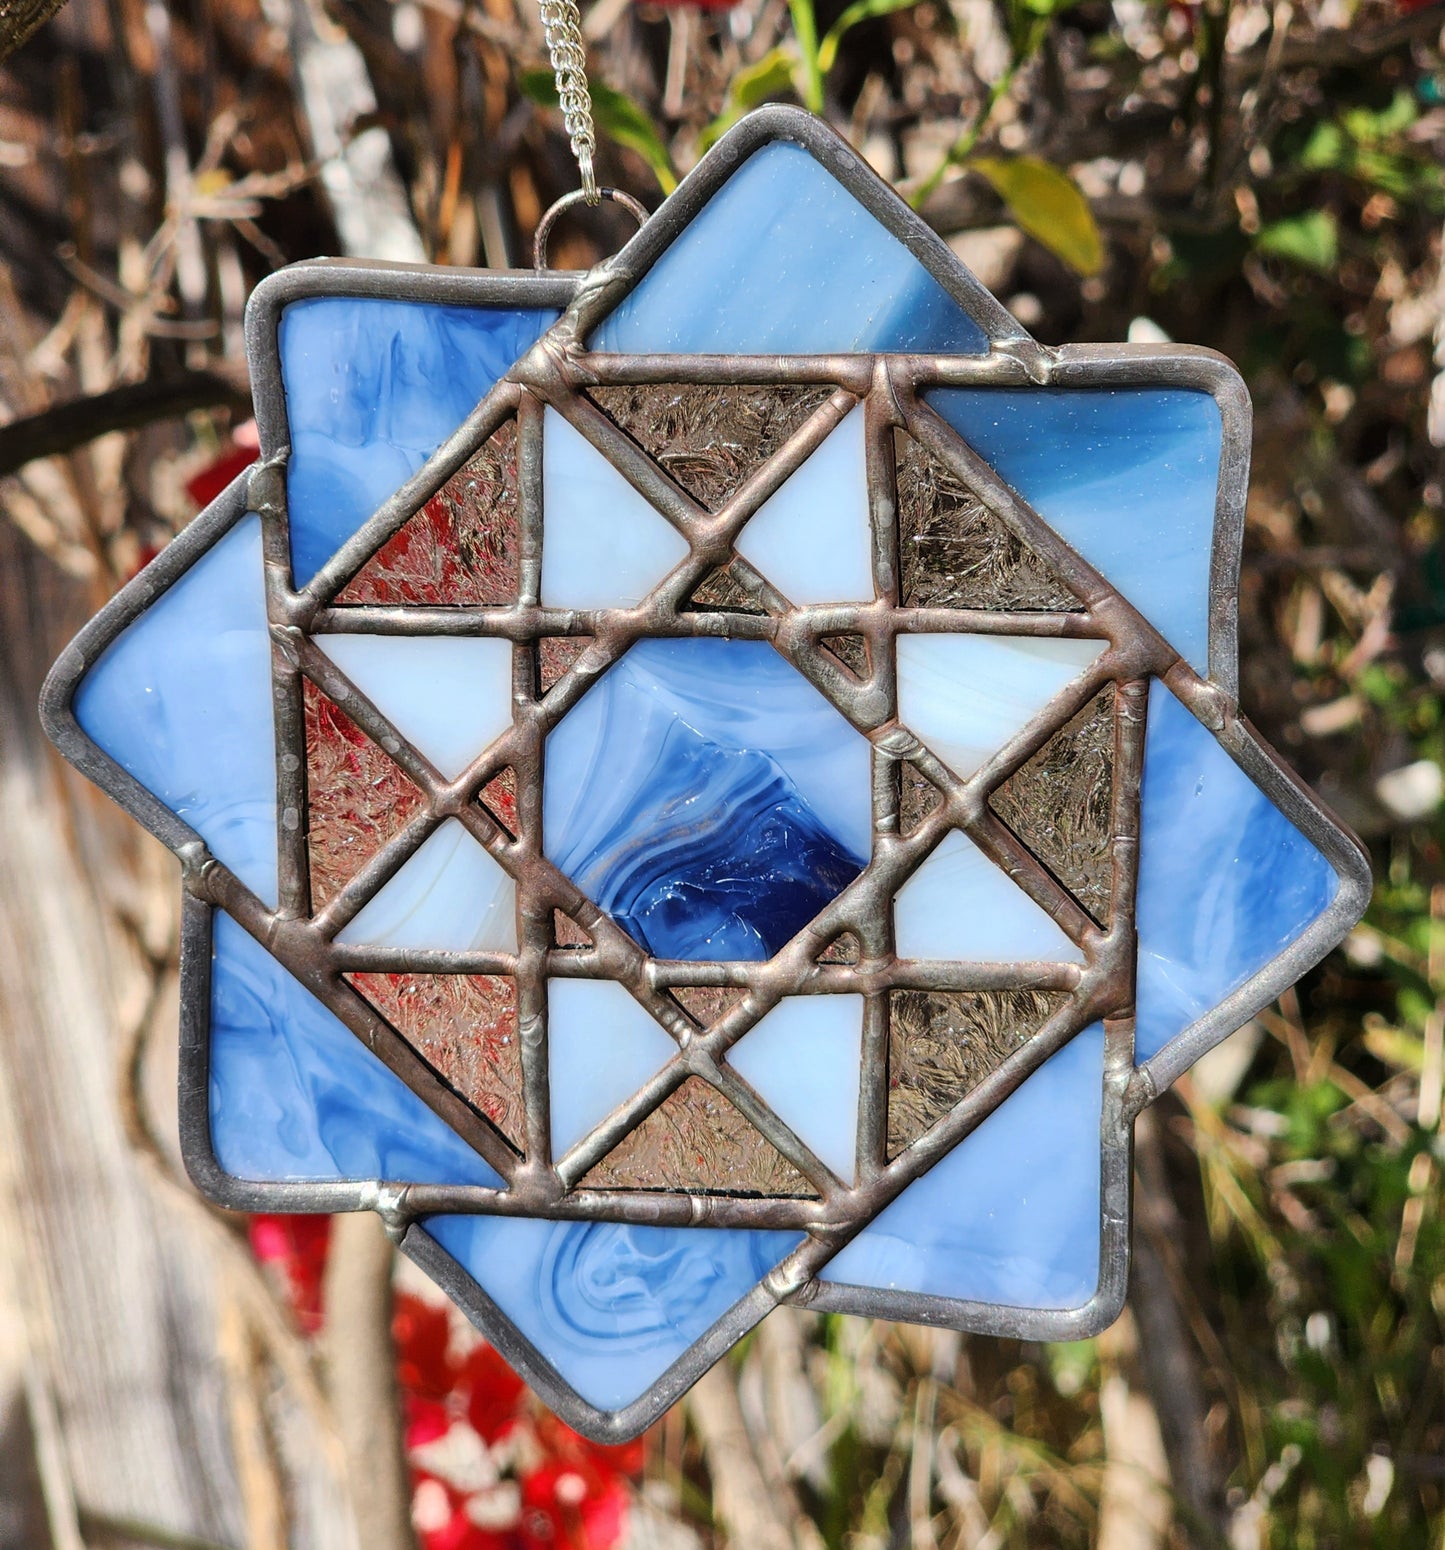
1311	239
616	115
772	74
859	11
805	29
1048	205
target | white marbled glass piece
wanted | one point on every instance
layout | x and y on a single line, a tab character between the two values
449	896
803	1061
601	1047
967	695
811	538
1011	1214
603	544
958	904
448	695
182	701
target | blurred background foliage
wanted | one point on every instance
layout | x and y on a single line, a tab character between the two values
1262	178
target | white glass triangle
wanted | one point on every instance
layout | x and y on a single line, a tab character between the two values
958	904
966	696
451	895
811	538
603	544
601	1047
447	695
803	1061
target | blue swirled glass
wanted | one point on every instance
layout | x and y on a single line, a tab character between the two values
296	1096
1226	881
1127	476
611	1307
373	388
182	700
1011	1214
784	260
707	797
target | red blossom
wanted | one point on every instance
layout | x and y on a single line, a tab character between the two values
295	1247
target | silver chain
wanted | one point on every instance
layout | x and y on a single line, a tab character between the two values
562	27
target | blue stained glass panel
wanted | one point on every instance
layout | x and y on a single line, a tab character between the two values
296	1096
610	1307
182	700
373	388
1226	881
707	797
784	260
1127	476
1011	1215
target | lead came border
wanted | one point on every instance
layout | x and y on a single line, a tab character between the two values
554	371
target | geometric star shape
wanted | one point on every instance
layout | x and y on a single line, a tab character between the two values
450	896
603	1046
802	1060
1005	1208
606	545
966	696
448	697
958	904
812	538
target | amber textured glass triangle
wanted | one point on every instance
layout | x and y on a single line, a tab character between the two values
696	1140
461	549
556	656
721	591
1060	804
465	1027
706	1004
851	651
567	933
499	798
710	436
358	798
941	1045
842	949
955	553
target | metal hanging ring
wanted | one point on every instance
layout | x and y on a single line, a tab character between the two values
638	211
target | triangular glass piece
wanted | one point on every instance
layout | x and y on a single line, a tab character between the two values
556	656
721	591
601	1047
609	1307
967	696
812	538
1060	804
357	798
603	544
782	259
958	904
696	1141
1128	476
465	1027
941	1045
1011	1215
373	388
567	933
955	553
181	700
295	1096
710	436
803	1060
499	798
1226	881
448	695
917	798
707	1004
462	549
851	650
842	949
449	896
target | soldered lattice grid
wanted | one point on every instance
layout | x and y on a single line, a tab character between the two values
1034	1007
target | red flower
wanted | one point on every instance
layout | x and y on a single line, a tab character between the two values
239	454
422	1332
295	1246
495	1393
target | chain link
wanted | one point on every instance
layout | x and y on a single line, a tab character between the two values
562	27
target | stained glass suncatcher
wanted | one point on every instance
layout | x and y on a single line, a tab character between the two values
709	783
